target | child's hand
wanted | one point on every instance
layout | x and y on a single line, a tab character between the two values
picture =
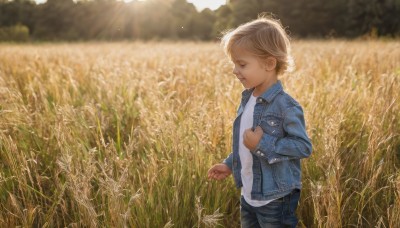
219	172
252	138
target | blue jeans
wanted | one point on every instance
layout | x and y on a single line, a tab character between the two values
278	213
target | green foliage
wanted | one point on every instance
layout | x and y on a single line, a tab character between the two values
374	16
14	33
177	19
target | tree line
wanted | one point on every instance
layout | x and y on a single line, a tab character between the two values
178	19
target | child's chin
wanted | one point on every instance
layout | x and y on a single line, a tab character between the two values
246	86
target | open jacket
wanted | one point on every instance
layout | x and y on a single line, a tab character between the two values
276	159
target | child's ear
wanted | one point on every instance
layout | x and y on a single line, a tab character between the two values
270	64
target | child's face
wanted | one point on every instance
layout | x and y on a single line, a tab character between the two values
251	71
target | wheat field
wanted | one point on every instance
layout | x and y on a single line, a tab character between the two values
122	134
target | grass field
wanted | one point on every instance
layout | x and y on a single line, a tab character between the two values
122	134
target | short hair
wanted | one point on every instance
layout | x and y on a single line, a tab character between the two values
263	37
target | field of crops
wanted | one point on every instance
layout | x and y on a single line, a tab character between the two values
122	134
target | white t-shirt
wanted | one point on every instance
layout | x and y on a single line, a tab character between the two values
246	158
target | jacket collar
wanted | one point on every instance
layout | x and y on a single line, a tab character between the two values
267	96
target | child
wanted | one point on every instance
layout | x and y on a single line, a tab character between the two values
269	135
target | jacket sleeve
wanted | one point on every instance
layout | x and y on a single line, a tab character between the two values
228	161
294	145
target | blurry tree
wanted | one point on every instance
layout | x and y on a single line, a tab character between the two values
391	18
178	19
203	24
54	19
224	20
183	14
132	15
374	16
17	12
156	20
302	17
14	33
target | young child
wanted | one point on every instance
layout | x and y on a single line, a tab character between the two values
269	132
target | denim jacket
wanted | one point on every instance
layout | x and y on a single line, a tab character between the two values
276	159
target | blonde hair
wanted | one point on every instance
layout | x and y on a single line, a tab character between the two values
263	37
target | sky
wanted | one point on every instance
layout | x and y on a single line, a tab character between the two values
212	4
200	4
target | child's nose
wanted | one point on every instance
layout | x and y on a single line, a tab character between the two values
235	71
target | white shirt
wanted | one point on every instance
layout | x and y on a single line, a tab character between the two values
246	158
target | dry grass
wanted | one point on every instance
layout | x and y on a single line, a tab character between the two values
122	134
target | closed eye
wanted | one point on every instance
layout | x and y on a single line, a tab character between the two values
240	63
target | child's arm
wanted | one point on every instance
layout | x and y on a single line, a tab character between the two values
222	170
295	145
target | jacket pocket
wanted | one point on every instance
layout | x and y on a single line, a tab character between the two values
272	125
282	173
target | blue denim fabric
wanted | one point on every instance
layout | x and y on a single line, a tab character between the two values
276	214
276	160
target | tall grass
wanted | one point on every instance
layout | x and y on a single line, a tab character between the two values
122	134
